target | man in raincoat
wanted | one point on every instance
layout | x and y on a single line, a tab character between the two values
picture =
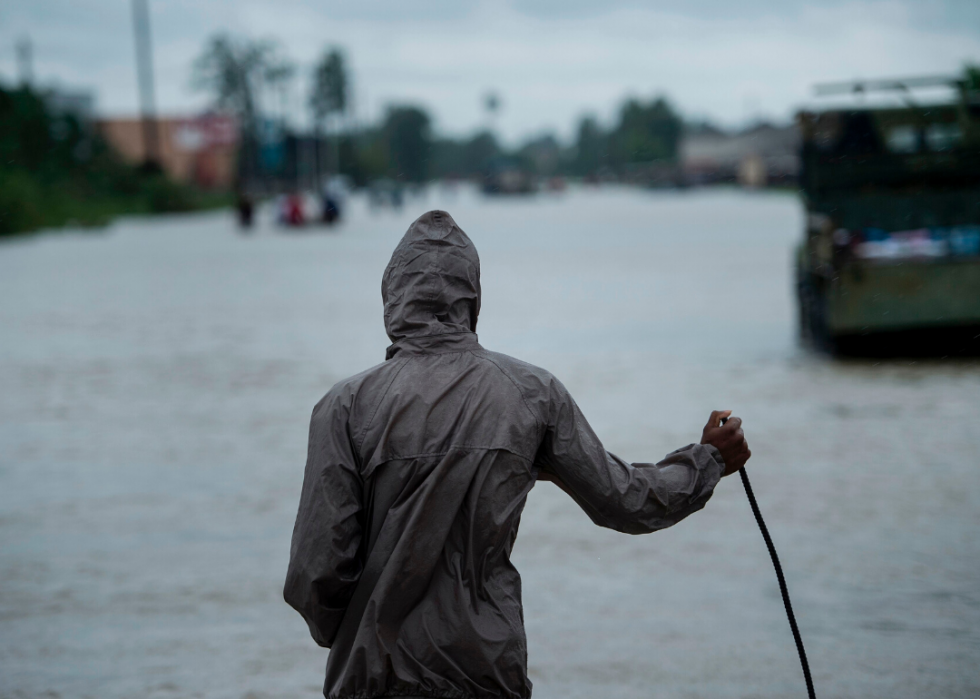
416	476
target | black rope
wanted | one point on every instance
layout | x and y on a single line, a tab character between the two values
782	582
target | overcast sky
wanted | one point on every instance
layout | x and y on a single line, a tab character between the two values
550	60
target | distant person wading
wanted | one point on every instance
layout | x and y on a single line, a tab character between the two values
417	472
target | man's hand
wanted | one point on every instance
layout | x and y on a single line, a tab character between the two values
728	439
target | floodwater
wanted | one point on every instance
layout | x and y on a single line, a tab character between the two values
156	382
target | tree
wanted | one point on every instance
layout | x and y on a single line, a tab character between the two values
590	146
491	102
408	141
479	151
646	132
55	168
463	158
232	71
542	155
235	71
971	77
278	74
328	96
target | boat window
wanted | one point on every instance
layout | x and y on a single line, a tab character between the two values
902	139
943	136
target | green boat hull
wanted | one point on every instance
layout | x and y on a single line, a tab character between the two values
906	295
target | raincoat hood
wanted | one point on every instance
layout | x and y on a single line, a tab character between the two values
431	287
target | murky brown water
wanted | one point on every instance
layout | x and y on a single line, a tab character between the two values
155	389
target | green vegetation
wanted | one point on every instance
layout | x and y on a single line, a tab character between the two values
328	95
55	170
407	143
243	75
403	147
464	158
328	98
646	133
971	81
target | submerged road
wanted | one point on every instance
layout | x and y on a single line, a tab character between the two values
156	382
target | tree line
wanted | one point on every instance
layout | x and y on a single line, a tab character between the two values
55	169
249	77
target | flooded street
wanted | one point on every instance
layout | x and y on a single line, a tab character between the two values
156	383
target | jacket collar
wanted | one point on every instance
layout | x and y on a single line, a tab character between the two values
434	344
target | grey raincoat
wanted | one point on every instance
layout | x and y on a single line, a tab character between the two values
417	472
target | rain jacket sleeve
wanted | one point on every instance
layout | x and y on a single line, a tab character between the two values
324	565
631	498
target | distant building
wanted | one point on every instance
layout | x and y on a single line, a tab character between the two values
758	156
200	150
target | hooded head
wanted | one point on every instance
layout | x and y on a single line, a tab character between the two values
431	287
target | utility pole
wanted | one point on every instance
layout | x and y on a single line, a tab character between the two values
144	75
25	61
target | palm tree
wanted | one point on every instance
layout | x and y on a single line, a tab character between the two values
234	71
328	97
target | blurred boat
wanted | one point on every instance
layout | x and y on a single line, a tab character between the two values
890	258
